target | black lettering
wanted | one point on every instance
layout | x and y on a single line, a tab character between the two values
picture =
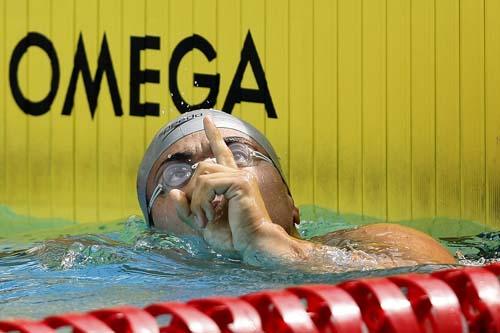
237	94
138	77
28	106
92	87
210	81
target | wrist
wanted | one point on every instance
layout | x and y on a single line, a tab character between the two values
271	244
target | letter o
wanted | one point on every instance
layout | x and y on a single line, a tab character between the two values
31	107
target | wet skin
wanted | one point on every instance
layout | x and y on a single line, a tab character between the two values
248	212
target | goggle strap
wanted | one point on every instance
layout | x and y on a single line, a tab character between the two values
261	156
158	190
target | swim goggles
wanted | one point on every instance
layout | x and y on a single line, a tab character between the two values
178	173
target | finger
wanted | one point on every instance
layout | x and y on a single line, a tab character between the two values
181	203
208	209
201	200
200	218
222	153
203	168
182	208
208	187
206	167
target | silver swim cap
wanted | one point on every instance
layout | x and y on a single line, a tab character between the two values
185	124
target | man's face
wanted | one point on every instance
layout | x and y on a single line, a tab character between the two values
195	148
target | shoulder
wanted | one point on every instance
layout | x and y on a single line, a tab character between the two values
395	240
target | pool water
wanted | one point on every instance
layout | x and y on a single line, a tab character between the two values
53	266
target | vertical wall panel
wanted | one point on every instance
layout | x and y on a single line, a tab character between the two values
277	130
447	108
204	24
472	108
3	104
374	108
157	60
399	186
301	100
16	185
349	106
134	128
229	45
325	103
64	38
253	19
423	109
85	126
180	24
109	126
39	128
492	120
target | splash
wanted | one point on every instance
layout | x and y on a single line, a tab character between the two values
68	268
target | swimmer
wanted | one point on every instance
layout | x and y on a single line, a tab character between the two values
213	175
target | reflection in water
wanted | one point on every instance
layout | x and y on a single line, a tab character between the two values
133	265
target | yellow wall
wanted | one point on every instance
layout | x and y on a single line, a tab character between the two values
387	108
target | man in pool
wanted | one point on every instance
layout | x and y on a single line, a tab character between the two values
211	174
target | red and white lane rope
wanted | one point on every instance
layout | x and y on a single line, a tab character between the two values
455	300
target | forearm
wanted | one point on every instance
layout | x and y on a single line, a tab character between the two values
273	246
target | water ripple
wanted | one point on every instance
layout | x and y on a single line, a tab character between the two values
137	266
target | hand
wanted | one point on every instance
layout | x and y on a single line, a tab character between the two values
222	200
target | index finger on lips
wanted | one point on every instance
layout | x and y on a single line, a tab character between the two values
222	153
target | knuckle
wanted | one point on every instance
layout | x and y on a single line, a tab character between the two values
198	180
173	196
201	167
204	183
203	179
204	167
203	164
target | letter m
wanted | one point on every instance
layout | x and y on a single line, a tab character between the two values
92	86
